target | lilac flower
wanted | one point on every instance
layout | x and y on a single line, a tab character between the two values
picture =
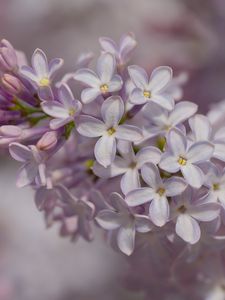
161	121
123	51
202	131
128	165
156	193
102	83
41	74
63	111
121	218
182	157
186	211
152	89
8	57
33	168
109	130
79	211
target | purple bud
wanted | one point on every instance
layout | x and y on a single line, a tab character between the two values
12	84
8	57
47	141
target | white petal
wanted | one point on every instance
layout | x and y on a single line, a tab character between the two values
137	97
57	123
219	150
119	166
112	111
128	133
159	211
151	176
105	67
188	229
200	127
108	45
205	212
166	101
20	152
108	219
142	223
193	175
139	196
105	150
174	186
40	63
199	152
90	126
126	238
160	77
87	77
55	109
169	163
177	142
115	83
130	181
148	154
27	174
182	111
65	95
89	94
138	76
54	65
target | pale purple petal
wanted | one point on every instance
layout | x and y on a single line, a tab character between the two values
174	186
127	45
126	238
148	154
143	224
119	203
105	150
128	133
115	83
160	77
55	109
159	211
151	176
105	67
205	212
27	174
20	152
109	219
57	123
138	76
188	229
139	196
130	181
164	100
87	77
169	163
54	65
108	45
177	142
40	63
65	95
200	127
137	97
199	152
193	175
112	111
90	126
90	94
29	74
182	111
219	150
119	166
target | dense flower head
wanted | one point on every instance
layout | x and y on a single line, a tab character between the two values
131	161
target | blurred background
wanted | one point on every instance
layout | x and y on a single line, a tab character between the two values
185	34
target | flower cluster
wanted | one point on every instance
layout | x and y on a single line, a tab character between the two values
122	151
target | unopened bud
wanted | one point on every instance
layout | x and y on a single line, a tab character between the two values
47	141
12	84
8	57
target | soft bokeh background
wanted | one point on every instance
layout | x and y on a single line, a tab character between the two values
188	35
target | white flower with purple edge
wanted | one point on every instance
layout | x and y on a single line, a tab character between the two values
64	110
152	89
103	82
123	51
186	211
41	74
157	193
108	130
180	156
121	218
33	168
128	165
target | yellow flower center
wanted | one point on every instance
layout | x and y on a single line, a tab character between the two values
182	161
104	88
72	112
216	186
44	81
111	131
182	209
147	94
161	191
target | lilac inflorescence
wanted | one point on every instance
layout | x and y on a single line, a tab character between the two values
123	152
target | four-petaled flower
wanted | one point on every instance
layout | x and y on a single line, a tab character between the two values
152	89
109	130
128	165
64	110
102	83
41	74
180	156
120	217
157	193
